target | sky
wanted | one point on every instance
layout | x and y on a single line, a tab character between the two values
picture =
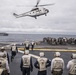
61	18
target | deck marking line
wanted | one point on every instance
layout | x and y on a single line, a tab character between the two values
35	56
61	50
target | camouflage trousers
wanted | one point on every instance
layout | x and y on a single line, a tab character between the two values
71	74
4	72
57	73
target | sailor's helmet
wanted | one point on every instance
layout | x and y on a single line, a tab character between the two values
41	54
57	54
14	44
73	56
26	52
2	48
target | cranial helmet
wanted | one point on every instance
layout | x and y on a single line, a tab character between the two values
2	48
57	54
41	54
73	56
14	44
26	52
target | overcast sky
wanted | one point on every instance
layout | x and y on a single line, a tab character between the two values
60	19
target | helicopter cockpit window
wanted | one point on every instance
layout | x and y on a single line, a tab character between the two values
35	9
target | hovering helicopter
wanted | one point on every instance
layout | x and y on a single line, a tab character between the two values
38	10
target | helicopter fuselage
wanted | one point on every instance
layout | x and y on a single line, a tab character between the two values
35	12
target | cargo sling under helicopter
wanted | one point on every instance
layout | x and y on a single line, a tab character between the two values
38	10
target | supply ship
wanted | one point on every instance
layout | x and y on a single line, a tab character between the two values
3	34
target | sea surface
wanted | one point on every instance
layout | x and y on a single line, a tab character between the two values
31	37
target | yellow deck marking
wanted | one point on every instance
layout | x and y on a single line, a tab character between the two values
61	50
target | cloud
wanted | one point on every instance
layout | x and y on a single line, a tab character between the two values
60	19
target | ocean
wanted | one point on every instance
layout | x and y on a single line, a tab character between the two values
19	38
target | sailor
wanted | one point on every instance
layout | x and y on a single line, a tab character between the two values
32	45
14	50
27	44
3	52
72	65
26	63
41	64
57	64
4	67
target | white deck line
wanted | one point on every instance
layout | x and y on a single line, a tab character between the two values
35	56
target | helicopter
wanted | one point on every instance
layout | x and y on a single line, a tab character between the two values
38	10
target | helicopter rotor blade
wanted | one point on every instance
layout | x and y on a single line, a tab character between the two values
46	4
37	3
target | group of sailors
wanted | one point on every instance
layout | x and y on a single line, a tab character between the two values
27	45
57	64
26	64
60	41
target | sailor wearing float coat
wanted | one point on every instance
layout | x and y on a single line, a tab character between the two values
72	65
26	63
3	52
41	64
57	64
4	67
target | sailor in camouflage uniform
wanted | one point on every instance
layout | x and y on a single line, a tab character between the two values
4	67
57	64
41	64
26	63
72	65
